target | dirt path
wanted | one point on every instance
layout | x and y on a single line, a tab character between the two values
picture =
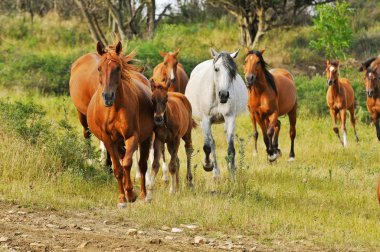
26	229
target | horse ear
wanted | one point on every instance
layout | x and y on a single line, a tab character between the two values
163	54
362	68
262	51
235	54
176	52
327	62
246	50
118	48
214	53
152	83
100	48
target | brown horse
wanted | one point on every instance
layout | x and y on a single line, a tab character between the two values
271	94
84	81
173	121
340	98
171	72
120	114
371	70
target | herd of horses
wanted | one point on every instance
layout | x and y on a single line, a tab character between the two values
128	112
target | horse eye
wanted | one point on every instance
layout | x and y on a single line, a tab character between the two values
216	69
99	69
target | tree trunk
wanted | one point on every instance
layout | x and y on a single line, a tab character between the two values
91	25
248	31
261	26
117	16
151	16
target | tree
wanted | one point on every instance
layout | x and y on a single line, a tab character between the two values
255	17
331	24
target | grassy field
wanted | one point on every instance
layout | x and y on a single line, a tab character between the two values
327	196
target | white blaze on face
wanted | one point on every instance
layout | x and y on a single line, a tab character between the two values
332	68
172	77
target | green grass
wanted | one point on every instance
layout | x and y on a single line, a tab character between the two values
327	196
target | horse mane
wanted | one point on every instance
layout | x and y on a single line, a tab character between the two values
264	66
367	63
128	70
228	63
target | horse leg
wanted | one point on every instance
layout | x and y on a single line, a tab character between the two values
130	147
352	119
255	133
333	114
173	165
230	130
83	121
143	164
272	153
343	115
375	120
117	170
208	147
263	127
165	168
277	129
157	147
292	131
189	151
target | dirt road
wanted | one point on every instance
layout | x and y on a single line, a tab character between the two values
32	229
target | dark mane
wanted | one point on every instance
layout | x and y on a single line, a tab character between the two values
367	63
228	63
264	65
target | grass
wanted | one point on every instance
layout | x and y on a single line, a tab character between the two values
327	196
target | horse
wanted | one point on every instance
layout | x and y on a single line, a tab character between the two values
173	121
340	98
371	70
120	114
217	94
84	80
271	94
171	72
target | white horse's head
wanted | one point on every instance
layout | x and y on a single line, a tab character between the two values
225	71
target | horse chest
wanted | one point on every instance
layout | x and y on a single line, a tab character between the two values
162	133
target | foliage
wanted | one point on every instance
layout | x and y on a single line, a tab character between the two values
334	34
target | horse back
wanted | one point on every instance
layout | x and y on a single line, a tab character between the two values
349	91
286	91
180	113
84	80
182	79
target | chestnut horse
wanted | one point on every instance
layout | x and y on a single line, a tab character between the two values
171	72
84	81
371	70
271	94
340	98
120	114
173	121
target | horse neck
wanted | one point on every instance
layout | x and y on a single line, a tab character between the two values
336	87
261	84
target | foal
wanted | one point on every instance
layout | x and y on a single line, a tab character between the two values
340	98
173	121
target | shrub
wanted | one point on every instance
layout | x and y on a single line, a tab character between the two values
331	24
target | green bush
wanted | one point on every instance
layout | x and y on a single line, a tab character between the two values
331	25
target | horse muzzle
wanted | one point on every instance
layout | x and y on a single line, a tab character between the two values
250	79
108	99
223	96
158	120
330	82
370	93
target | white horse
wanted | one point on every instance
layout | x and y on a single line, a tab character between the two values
217	94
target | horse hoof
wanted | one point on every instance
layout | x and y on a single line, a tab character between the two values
279	153
292	159
272	158
122	205
208	167
171	191
131	197
149	197
166	180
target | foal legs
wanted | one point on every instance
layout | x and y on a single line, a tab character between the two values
143	164
189	151
174	163
333	114
343	116
352	119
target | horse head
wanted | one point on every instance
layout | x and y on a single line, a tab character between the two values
225	71
254	64
159	100
371	81
110	71
170	62
332	73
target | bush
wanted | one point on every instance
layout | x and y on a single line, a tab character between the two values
331	24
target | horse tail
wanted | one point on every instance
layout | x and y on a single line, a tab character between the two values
194	124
